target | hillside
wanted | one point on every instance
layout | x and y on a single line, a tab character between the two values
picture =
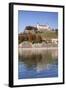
48	34
37	37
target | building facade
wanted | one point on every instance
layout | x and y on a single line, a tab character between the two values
55	40
43	27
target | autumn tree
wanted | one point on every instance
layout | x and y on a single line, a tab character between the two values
33	38
30	37
38	39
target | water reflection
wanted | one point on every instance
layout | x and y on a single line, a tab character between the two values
38	63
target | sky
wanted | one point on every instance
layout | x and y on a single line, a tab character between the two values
27	18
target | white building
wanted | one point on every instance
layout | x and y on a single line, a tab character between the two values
54	40
43	27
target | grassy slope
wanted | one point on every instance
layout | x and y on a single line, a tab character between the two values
48	34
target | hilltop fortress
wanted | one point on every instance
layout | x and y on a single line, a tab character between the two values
38	36
37	28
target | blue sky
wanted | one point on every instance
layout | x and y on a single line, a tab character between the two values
26	18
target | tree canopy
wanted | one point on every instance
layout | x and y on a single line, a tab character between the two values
30	28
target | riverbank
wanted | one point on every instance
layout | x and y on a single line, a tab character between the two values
38	48
37	45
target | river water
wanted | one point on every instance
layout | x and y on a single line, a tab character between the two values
38	63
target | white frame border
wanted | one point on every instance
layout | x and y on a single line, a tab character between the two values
60	44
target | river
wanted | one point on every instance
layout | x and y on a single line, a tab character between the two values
38	63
